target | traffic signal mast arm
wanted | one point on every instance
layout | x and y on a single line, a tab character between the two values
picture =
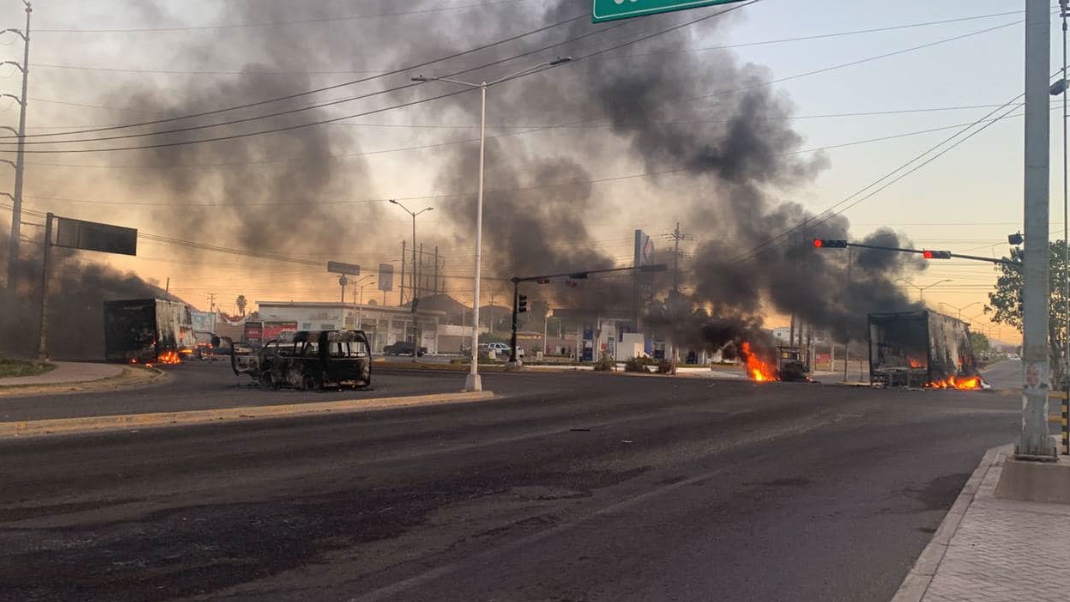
826	243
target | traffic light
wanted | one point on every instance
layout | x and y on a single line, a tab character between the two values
936	254
543	281
578	276
522	304
830	243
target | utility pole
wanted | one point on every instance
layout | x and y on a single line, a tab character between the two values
211	301
1035	443
16	212
491	313
435	287
401	282
677	236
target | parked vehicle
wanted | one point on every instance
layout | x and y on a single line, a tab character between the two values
311	360
501	350
402	348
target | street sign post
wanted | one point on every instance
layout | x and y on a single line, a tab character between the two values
609	10
77	234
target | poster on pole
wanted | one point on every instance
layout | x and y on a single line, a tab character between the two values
386	277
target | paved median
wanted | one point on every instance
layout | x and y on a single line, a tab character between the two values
57	426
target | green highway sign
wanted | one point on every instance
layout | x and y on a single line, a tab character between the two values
608	10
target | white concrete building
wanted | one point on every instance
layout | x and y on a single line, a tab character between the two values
384	325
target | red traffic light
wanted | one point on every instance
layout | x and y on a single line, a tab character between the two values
543	281
928	254
819	243
830	243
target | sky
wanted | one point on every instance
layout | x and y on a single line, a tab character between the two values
950	63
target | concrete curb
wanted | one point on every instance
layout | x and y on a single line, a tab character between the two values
130	377
35	428
921	574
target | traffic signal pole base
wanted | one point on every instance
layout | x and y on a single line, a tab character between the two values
512	366
473	382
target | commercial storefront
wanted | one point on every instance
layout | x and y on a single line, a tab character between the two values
384	325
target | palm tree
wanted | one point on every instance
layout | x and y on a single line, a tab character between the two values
241	303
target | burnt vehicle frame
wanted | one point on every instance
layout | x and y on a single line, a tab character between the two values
309	360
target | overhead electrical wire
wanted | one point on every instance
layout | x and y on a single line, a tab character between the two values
323	88
681	51
373	111
333	19
205	246
832	211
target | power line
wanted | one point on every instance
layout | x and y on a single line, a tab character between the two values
370	112
751	254
462	194
325	88
681	51
484	5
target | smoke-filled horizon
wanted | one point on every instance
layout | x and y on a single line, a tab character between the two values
720	138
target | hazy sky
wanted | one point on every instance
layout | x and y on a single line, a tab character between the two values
965	201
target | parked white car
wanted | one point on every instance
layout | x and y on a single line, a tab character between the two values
501	350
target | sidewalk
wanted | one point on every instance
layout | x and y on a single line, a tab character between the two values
66	372
991	549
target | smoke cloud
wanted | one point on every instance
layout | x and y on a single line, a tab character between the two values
714	141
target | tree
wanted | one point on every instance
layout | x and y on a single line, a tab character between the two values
979	342
1005	303
241	303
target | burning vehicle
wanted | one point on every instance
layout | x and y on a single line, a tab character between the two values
787	365
921	349
308	360
147	331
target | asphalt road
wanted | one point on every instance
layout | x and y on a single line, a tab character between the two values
573	487
204	385
1004	375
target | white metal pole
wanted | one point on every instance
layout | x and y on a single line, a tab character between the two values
1035	443
474	382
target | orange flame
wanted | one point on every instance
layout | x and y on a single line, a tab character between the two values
915	363
169	357
757	370
962	383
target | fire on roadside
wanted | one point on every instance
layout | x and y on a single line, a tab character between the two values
962	383
757	370
169	357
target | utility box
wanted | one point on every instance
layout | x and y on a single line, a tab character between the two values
918	349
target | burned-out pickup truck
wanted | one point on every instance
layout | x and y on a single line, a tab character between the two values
311	359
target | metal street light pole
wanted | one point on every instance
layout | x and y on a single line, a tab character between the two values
921	289
415	342
960	309
473	382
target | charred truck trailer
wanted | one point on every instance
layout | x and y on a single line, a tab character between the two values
921	349
147	330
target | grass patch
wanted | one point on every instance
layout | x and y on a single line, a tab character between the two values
11	367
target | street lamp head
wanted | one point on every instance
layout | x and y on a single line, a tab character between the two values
429	209
420	78
392	201
560	60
